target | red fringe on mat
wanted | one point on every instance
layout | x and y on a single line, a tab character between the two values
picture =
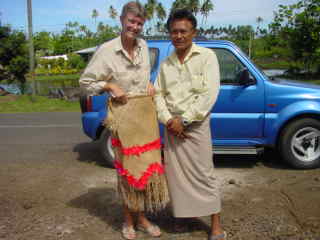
143	180
136	150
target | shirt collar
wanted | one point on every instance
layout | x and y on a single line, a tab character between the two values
195	49
119	47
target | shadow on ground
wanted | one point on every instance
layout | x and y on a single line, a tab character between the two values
270	158
104	204
89	152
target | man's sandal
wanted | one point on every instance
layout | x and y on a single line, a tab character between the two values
222	236
128	232
153	230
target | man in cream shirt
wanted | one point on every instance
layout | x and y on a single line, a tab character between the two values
186	90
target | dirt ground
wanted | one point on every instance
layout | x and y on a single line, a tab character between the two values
66	196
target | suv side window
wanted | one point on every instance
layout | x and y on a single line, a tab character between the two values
230	67
153	56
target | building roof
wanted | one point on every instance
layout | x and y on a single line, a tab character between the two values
87	50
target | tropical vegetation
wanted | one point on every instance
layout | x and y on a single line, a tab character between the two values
291	41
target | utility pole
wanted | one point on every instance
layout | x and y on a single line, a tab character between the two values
250	44
31	48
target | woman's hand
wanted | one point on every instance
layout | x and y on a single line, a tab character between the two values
150	89
116	92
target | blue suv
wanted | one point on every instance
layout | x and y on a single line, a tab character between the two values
252	111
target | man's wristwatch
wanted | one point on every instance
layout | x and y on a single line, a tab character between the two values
185	122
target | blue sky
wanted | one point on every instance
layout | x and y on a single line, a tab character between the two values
52	15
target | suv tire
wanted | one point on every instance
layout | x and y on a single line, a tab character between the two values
300	143
106	148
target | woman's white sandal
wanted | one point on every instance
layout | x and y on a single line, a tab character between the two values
153	230
128	232
222	236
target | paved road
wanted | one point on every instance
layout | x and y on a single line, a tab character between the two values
39	133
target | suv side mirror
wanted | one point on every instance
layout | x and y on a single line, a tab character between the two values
244	78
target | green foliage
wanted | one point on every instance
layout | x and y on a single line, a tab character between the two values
43	43
75	61
196	6
64	43
298	26
272	64
13	55
292	36
275	53
104	33
19	66
112	12
73	65
156	15
72	38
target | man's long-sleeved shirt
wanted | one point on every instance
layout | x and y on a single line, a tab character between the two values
188	89
111	63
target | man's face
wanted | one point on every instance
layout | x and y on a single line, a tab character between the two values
181	34
131	25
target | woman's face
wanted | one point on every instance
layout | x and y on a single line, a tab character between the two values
132	25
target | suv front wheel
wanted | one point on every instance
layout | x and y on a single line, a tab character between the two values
300	143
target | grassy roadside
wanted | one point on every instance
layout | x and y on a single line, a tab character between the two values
74	77
273	65
24	103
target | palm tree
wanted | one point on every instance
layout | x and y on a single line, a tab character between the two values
259	20
100	27
161	12
161	15
251	38
113	12
179	4
194	6
94	15
83	29
160	27
151	9
205	9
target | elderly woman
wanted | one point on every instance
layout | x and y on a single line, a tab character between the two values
121	68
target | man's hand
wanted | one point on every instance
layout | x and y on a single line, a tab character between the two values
150	89
116	92
175	126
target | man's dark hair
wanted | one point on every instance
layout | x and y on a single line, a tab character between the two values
181	14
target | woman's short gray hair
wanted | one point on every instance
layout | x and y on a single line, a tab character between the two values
134	7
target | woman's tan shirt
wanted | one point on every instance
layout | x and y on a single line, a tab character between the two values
111	63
